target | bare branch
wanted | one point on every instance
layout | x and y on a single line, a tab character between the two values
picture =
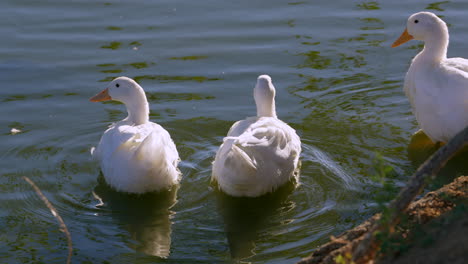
54	212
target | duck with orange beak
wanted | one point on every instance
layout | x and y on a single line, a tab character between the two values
136	155
436	86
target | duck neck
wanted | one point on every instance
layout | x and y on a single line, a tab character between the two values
138	110
435	47
266	108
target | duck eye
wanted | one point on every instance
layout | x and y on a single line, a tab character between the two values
416	21
117	85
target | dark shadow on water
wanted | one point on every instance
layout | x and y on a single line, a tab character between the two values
421	148
246	218
147	217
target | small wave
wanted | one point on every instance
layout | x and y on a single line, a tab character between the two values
315	155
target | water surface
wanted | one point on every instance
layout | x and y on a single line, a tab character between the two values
339	84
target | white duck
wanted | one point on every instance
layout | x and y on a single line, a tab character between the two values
437	87
259	153
136	155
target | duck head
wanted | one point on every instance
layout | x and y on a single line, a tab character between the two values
425	26
264	95
129	92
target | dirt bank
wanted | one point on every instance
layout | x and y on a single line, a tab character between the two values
433	230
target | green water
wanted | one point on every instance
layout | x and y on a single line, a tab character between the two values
339	84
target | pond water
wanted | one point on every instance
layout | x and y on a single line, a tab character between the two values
339	84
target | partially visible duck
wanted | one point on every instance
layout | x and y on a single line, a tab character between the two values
436	86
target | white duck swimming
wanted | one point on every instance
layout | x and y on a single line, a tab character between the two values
259	153
136	155
437	86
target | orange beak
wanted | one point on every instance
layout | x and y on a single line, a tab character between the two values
102	96
405	37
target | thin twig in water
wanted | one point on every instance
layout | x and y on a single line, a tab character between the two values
366	250
54	212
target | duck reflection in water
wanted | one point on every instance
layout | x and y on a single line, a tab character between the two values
147	217
246	219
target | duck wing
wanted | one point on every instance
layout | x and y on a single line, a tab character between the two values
458	63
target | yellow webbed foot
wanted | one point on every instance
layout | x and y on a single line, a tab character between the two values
421	147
